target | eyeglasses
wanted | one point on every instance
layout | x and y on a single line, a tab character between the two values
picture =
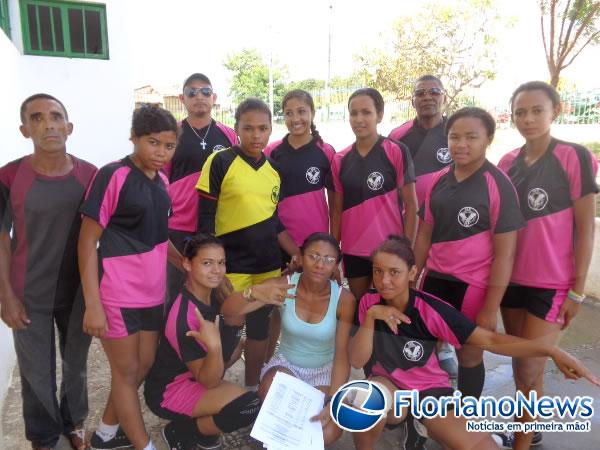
191	92
327	260
434	92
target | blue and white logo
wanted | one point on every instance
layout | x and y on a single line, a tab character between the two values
358	406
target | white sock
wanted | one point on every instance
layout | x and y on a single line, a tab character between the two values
150	446
106	432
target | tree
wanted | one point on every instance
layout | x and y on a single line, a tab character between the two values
455	41
250	78
568	27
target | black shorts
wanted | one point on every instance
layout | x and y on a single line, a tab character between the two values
123	322
357	266
465	297
541	302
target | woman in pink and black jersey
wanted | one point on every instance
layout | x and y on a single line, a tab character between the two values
555	181
374	185
123	247
399	330
303	161
468	234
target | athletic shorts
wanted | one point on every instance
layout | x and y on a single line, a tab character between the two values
257	322
541	302
177	400
357	266
123	322
465	297
315	376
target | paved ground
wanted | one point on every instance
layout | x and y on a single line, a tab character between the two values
582	339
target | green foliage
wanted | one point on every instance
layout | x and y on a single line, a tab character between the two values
594	147
456	42
250	78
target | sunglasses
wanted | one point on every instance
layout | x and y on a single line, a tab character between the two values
434	92
327	260
191	92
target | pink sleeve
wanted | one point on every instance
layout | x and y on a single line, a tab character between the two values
228	132
103	194
394	154
581	168
270	147
335	172
426	214
367	300
328	150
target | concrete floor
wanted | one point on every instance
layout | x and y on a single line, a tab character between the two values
582	339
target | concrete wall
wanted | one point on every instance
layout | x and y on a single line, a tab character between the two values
98	95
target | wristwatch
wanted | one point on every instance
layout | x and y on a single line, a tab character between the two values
247	294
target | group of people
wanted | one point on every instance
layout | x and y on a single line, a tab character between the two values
167	254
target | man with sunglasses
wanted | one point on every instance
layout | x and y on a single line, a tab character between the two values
425	135
200	136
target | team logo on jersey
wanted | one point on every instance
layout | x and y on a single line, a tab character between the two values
375	181
313	175
413	350
537	199
443	155
468	216
275	194
218	148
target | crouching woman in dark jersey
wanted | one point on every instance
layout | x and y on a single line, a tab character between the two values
400	328
185	383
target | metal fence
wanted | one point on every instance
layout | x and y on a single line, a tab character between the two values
581	107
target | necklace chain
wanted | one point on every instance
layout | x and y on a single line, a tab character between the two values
202	139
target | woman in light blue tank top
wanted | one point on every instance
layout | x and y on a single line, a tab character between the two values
316	318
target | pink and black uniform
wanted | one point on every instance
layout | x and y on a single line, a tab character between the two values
428	148
40	213
543	271
408	359
465	216
170	389
305	174
184	170
133	210
371	208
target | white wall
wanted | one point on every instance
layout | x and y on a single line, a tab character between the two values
98	95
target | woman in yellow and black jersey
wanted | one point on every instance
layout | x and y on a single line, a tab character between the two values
239	192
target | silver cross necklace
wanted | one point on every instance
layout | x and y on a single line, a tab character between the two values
202	139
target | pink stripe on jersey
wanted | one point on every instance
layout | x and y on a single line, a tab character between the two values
272	146
469	259
429	376
184	198
327	149
336	167
299	225
124	284
569	160
539	242
394	154
111	194
435	323
400	132
368	224
171	325
228	132
422	185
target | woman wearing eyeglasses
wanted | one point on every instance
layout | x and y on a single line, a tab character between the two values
425	135
316	317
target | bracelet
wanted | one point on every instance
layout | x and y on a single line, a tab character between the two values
247	294
574	296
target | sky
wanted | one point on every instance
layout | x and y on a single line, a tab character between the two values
169	43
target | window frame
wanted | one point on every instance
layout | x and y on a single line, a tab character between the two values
64	7
5	17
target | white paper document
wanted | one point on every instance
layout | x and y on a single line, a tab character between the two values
283	422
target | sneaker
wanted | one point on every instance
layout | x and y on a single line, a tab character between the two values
507	440
416	434
119	441
177	437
